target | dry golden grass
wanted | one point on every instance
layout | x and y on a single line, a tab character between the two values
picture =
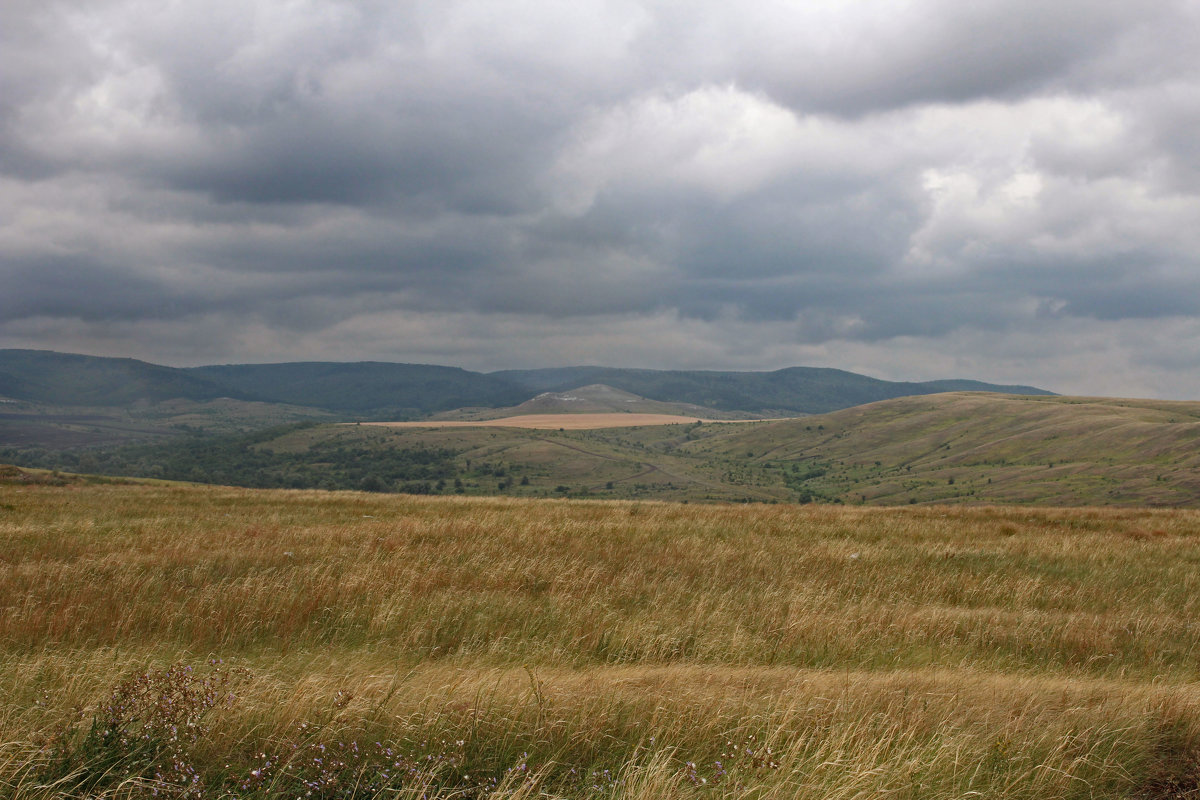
603	649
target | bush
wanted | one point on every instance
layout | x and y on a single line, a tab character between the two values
146	731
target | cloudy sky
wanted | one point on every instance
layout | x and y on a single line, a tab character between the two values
1006	190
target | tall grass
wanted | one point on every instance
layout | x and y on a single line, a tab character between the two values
401	646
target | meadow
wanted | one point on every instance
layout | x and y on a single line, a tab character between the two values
197	642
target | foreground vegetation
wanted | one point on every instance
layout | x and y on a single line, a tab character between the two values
212	642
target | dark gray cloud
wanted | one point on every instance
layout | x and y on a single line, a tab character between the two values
1005	190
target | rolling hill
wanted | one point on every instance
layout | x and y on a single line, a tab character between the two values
594	399
955	448
949	448
981	448
380	390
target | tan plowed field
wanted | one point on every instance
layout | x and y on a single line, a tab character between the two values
570	422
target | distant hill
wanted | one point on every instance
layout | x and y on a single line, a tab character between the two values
594	399
64	379
802	390
366	387
372	389
599	399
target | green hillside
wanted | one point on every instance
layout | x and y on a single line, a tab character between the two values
982	448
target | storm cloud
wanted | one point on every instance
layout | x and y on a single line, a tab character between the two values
1002	190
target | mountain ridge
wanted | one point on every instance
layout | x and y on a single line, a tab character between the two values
377	389
805	390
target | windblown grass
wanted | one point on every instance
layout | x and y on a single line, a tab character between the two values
401	646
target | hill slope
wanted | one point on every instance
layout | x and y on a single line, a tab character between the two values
968	447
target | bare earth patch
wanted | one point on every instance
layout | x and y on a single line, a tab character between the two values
570	422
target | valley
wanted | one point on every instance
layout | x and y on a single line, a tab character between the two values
594	440
975	448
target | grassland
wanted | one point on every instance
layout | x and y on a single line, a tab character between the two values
980	448
212	642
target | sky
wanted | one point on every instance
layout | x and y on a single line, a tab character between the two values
1004	190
